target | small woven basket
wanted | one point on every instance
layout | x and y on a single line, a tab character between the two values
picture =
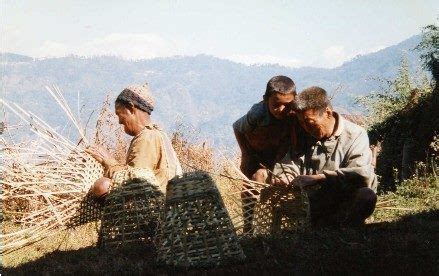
280	208
195	228
131	209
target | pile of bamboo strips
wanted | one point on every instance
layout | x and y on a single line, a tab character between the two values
43	180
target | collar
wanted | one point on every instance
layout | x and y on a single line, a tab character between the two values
339	124
149	126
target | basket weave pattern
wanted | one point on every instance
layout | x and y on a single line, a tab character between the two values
280	208
195	229
131	208
89	210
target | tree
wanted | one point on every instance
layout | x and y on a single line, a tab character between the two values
395	95
429	48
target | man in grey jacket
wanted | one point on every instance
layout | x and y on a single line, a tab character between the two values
332	162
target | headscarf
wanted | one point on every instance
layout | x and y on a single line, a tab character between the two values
139	95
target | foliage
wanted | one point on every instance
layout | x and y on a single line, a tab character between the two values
429	46
395	95
404	119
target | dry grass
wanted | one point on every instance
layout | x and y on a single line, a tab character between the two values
193	153
107	123
64	240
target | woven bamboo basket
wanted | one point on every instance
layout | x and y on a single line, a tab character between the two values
131	209
195	228
89	209
280	208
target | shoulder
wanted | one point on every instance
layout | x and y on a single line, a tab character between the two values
352	130
150	133
354	137
258	108
257	115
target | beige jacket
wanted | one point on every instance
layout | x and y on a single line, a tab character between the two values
151	149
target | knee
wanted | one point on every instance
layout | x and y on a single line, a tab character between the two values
367	195
101	187
366	199
260	175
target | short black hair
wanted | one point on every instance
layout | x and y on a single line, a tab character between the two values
313	98
280	84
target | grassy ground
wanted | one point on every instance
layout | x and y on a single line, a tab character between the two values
401	237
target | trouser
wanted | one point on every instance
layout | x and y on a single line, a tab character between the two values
329	207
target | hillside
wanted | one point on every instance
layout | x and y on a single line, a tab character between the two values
205	92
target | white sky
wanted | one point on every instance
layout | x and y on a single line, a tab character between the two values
294	33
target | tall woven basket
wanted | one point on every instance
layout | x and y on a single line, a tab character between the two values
280	208
195	228
131	209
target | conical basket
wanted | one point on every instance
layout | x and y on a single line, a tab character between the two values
195	228
131	209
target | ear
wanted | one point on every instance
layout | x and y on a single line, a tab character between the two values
131	108
328	112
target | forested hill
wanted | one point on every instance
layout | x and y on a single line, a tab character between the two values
205	92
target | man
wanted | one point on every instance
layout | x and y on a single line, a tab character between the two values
264	135
335	159
149	149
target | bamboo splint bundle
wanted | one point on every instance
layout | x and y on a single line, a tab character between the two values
44	181
131	209
195	229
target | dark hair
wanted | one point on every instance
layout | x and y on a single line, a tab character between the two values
279	84
313	98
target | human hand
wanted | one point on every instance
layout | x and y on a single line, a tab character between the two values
303	181
101	155
283	180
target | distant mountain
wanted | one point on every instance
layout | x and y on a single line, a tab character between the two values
204	91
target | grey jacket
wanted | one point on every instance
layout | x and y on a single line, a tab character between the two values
344	158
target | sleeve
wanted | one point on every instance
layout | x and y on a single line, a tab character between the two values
144	152
251	120
288	166
357	170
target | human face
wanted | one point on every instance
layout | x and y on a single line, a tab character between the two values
126	118
279	105
315	123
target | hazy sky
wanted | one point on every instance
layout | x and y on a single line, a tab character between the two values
293	33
